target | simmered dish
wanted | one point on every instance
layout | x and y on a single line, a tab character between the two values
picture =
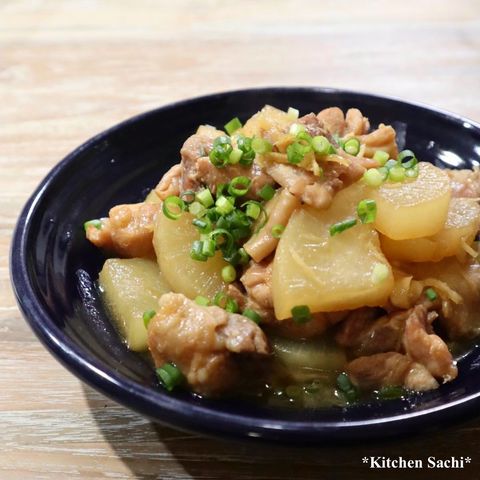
299	261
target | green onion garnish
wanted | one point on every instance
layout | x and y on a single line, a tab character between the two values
252	315
201	300
267	192
292	113
233	125
431	294
345	385
204	224
196	251
261	146
229	274
245	145
223	205
410	156
221	233
301	314
396	174
239	186
196	209
188	196
147	316
277	230
412	172
321	145
342	226
222	147
205	197
381	157
253	210
93	223
352	146
296	152
222	300
235	156
208	248
373	177
367	210
170	376
379	273
391	163
173	207
391	392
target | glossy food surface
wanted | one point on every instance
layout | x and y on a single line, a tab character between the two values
54	267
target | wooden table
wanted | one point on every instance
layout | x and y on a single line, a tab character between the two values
69	69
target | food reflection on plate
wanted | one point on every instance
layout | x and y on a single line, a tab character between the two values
299	261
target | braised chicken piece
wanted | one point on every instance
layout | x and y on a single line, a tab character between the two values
203	342
336	123
127	232
424	347
390	368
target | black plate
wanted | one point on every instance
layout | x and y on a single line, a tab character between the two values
53	266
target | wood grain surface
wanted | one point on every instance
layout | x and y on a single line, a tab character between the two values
69	69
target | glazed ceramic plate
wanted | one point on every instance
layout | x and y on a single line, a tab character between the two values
54	268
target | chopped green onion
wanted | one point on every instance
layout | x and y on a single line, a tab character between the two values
245	145
296	152
301	314
352	146
223	205
267	192
222	300
93	223
391	392
188	196
252	315
367	210
201	300
227	243
221	187
345	385
292	113
239	186
229	274
253	210
205	197
381	157
147	316
204	224
296	128
431	294
260	224
373	177
208	248
305	137
235	156
170	376
222	147
321	145
243	256
383	172
390	163
412	172
233	125
407	154
396	174
177	203
261	146
342	226
196	209
196	251
380	273
277	230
